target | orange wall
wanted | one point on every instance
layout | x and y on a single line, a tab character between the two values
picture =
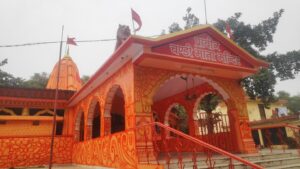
25	128
116	150
34	151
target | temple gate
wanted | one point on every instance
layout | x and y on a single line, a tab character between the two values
143	81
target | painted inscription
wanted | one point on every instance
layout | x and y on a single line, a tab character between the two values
207	49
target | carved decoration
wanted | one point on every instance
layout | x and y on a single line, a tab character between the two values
122	34
117	150
34	151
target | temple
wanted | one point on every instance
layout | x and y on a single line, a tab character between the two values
144	101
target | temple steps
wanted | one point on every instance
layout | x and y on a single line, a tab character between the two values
277	160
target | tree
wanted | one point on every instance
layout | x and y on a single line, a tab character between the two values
190	19
38	80
208	104
294	104
255	39
182	115
283	95
174	28
7	79
84	79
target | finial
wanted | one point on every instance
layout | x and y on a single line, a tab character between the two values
67	54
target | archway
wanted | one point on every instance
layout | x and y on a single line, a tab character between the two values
177	118
183	89
115	110
212	120
94	120
79	126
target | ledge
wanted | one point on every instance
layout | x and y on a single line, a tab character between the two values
30	118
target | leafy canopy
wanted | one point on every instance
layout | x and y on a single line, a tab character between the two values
293	102
7	79
38	80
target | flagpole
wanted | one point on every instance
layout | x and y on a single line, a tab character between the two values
132	25
67	46
205	11
55	100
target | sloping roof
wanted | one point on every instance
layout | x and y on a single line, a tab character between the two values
32	93
145	42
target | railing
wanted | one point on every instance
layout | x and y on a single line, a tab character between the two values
163	145
276	135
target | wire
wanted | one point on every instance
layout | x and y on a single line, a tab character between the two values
52	42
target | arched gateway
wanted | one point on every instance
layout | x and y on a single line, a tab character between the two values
143	81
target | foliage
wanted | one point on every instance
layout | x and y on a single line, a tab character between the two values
285	66
261	85
190	19
255	39
294	103
38	80
7	79
174	27
84	79
209	102
181	113
283	95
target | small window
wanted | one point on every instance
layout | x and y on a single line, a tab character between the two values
2	122
36	123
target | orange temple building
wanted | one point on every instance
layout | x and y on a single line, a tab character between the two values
109	121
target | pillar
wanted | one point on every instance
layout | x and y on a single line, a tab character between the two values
261	140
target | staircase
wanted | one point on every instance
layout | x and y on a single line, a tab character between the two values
160	144
275	160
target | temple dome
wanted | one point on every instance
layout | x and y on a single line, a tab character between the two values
69	75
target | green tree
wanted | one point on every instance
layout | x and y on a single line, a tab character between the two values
174	27
294	104
38	80
84	79
255	39
8	80
181	113
208	104
283	95
190	19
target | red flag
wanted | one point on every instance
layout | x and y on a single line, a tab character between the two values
229	32
71	41
135	16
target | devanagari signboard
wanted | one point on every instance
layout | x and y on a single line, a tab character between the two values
202	47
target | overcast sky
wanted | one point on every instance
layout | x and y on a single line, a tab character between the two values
40	20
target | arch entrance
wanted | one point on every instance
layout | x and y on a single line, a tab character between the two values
79	126
94	120
212	121
196	106
115	110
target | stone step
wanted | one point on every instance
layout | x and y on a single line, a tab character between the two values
290	166
278	162
266	160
